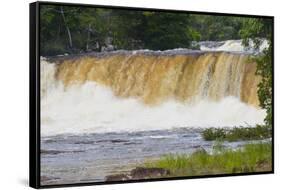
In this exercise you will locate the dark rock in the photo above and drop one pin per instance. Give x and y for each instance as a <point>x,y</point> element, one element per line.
<point>139,173</point>
<point>117,177</point>
<point>144,173</point>
<point>61,58</point>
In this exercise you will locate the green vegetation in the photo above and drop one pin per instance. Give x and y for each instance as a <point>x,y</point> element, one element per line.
<point>238,133</point>
<point>250,158</point>
<point>254,29</point>
<point>217,28</point>
<point>68,29</point>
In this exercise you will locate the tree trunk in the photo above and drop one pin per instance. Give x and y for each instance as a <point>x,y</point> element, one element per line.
<point>88,37</point>
<point>67,28</point>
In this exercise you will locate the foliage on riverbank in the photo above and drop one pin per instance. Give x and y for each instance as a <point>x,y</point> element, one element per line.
<point>250,158</point>
<point>252,29</point>
<point>238,133</point>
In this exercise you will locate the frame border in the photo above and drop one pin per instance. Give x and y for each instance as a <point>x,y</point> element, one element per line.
<point>35,98</point>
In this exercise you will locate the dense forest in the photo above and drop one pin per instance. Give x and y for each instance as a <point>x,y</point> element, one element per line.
<point>67,29</point>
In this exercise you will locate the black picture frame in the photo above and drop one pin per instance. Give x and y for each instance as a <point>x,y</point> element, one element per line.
<point>34,94</point>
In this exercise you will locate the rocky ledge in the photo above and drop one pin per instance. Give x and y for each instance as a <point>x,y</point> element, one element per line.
<point>139,173</point>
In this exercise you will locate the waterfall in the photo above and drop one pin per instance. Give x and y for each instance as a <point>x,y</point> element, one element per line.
<point>146,90</point>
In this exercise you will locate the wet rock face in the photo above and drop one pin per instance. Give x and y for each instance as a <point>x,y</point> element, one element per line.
<point>139,173</point>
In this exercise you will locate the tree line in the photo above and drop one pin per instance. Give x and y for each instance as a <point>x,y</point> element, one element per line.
<point>67,29</point>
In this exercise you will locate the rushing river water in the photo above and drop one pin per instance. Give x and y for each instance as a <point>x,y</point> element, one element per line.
<point>104,114</point>
<point>91,157</point>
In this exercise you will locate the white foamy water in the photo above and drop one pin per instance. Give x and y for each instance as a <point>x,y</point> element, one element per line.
<point>232,46</point>
<point>92,108</point>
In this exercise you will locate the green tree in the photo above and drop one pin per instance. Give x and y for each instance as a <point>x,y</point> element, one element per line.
<point>217,28</point>
<point>51,30</point>
<point>167,31</point>
<point>258,29</point>
<point>151,30</point>
<point>126,30</point>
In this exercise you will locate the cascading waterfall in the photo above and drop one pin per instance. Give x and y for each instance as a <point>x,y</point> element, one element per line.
<point>146,90</point>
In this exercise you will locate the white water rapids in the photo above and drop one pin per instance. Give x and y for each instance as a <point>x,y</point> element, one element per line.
<point>92,108</point>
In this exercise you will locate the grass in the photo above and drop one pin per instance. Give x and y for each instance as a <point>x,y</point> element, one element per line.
<point>237,133</point>
<point>250,158</point>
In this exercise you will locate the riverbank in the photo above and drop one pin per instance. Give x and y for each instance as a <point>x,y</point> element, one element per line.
<point>104,154</point>
<point>249,158</point>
